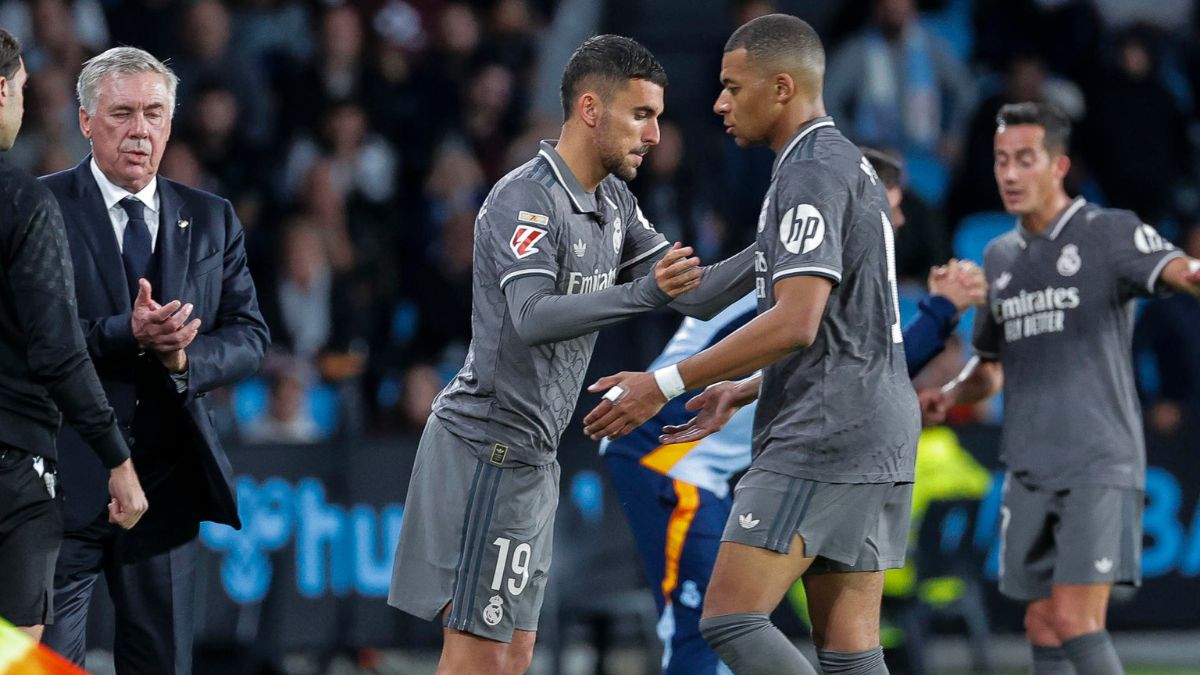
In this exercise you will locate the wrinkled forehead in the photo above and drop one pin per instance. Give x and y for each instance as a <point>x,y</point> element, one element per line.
<point>139,90</point>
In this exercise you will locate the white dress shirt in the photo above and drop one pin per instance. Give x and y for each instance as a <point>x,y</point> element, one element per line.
<point>113,194</point>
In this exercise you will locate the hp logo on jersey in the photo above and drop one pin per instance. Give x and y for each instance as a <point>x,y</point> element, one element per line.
<point>802,229</point>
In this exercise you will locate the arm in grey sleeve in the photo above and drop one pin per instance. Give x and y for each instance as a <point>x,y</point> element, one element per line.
<point>721,285</point>
<point>541,315</point>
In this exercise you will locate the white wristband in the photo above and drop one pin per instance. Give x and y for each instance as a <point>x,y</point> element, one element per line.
<point>670,383</point>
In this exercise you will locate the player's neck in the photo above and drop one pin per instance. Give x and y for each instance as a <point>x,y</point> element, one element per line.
<point>580,158</point>
<point>793,118</point>
<point>1039,221</point>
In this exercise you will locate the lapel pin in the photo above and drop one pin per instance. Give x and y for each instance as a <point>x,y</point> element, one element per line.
<point>184,223</point>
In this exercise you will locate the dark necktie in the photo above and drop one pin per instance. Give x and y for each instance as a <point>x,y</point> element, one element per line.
<point>135,245</point>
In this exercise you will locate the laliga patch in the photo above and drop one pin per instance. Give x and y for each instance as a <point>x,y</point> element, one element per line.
<point>1148,240</point>
<point>524,238</point>
<point>533,218</point>
<point>802,229</point>
<point>1069,261</point>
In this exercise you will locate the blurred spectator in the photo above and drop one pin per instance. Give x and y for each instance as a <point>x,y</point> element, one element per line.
<point>218,137</point>
<point>361,161</point>
<point>1064,33</point>
<point>56,31</point>
<point>86,21</point>
<point>287,419</point>
<point>1025,79</point>
<point>1135,138</point>
<point>896,85</point>
<point>180,164</point>
<point>1166,15</point>
<point>204,34</point>
<point>672,199</point>
<point>336,73</point>
<point>489,117</point>
<point>50,140</point>
<point>1166,334</point>
<point>264,30</point>
<point>140,23</point>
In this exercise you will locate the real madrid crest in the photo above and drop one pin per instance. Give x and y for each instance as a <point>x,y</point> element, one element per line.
<point>617,234</point>
<point>1069,261</point>
<point>493,613</point>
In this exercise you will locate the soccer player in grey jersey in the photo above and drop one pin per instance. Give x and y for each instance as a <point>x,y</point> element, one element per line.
<point>1057,339</point>
<point>828,493</point>
<point>561,250</point>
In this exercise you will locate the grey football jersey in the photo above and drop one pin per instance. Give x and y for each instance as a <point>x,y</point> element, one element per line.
<point>537,220</point>
<point>842,410</point>
<point>1061,322</point>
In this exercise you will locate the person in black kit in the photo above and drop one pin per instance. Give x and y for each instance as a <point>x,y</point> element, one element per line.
<point>44,368</point>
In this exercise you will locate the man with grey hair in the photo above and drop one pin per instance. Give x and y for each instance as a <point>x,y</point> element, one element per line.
<point>45,374</point>
<point>169,313</point>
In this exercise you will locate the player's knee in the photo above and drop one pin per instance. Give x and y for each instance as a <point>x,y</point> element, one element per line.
<point>1070,622</point>
<point>718,630</point>
<point>1039,624</point>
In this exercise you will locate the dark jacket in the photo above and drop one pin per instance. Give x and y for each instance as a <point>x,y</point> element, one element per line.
<point>200,258</point>
<point>44,365</point>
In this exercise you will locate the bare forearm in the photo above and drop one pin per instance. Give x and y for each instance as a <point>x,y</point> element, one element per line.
<point>1181,275</point>
<point>746,391</point>
<point>978,381</point>
<point>759,343</point>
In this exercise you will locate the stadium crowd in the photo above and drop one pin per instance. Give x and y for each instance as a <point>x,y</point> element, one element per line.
<point>357,140</point>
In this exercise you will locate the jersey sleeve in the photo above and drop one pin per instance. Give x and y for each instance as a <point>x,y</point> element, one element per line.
<point>516,233</point>
<point>812,203</point>
<point>986,338</point>
<point>1137,254</point>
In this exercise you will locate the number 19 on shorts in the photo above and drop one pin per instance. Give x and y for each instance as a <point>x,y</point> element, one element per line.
<point>520,565</point>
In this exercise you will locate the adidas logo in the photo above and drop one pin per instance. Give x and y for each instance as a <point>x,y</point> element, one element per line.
<point>748,521</point>
<point>1104,565</point>
<point>1002,281</point>
<point>579,248</point>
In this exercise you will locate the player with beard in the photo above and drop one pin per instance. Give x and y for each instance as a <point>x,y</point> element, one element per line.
<point>561,251</point>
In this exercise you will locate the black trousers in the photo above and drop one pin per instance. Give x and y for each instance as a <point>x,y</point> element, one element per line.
<point>154,598</point>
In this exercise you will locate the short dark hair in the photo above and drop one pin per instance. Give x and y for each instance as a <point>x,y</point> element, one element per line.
<point>784,42</point>
<point>888,166</point>
<point>612,60</point>
<point>1054,121</point>
<point>10,54</point>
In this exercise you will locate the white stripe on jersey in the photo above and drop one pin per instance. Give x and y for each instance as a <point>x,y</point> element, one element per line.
<point>521,273</point>
<point>643,256</point>
<point>808,269</point>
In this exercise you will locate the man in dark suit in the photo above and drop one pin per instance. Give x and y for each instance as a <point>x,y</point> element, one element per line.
<point>45,376</point>
<point>134,237</point>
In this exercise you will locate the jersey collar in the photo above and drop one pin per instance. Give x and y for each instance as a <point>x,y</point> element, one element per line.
<point>583,201</point>
<point>807,128</point>
<point>1059,225</point>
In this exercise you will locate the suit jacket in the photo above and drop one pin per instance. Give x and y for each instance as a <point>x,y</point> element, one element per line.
<point>201,259</point>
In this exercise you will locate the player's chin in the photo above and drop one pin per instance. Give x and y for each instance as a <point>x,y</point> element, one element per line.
<point>626,172</point>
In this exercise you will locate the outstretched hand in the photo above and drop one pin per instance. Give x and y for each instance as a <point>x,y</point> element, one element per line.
<point>715,406</point>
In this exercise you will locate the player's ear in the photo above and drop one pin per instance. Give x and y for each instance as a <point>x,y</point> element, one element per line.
<point>588,107</point>
<point>785,87</point>
<point>1062,165</point>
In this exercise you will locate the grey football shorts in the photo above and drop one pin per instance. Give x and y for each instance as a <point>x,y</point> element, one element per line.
<point>475,536</point>
<point>1084,535</point>
<point>847,527</point>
